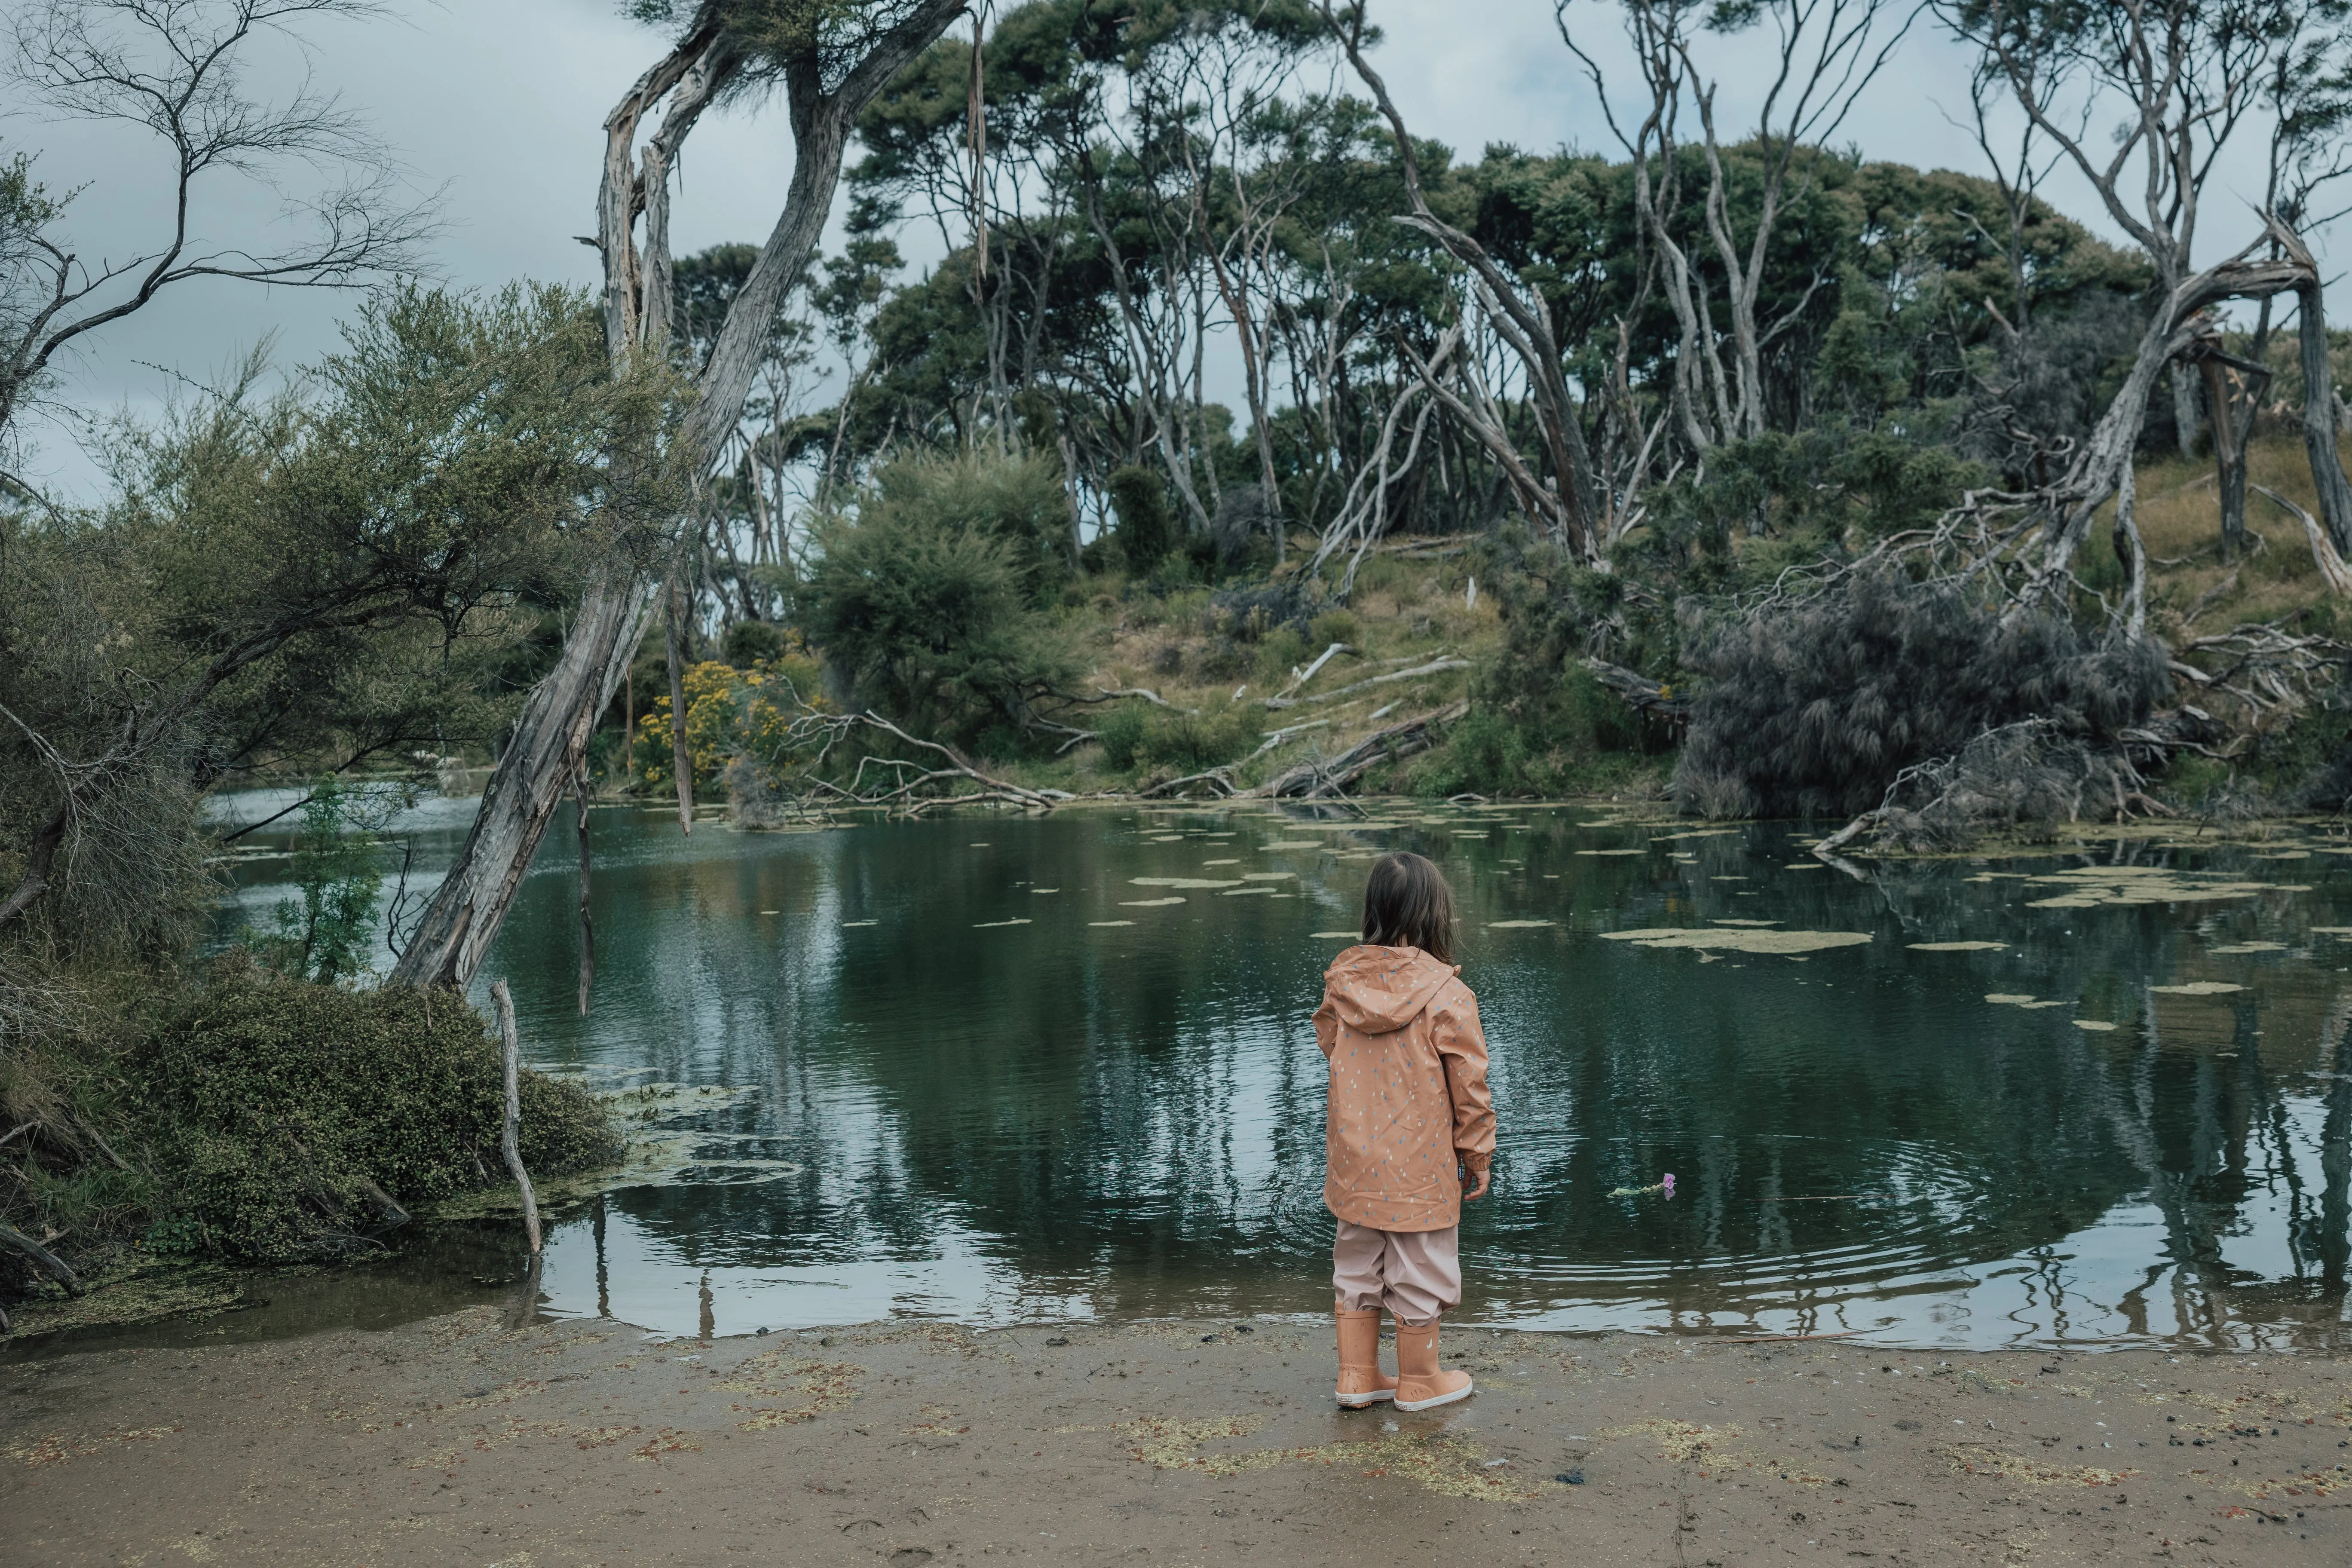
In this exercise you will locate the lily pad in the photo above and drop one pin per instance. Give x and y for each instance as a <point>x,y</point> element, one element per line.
<point>2198,988</point>
<point>1517,925</point>
<point>2096,1026</point>
<point>1044,890</point>
<point>2238,947</point>
<point>1957,946</point>
<point>1243,892</point>
<point>994,925</point>
<point>1269,875</point>
<point>1098,924</point>
<point>1333,935</point>
<point>1738,940</point>
<point>1183,882</point>
<point>1601,852</point>
<point>1148,903</point>
<point>1220,862</point>
<point>853,925</point>
<point>1293,843</point>
<point>1733,922</point>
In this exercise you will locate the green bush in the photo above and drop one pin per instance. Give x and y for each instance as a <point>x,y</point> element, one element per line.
<point>1147,529</point>
<point>1135,736</point>
<point>927,600</point>
<point>269,1105</point>
<point>757,642</point>
<point>1332,626</point>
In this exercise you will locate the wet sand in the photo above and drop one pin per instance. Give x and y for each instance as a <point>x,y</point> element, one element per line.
<point>460,1439</point>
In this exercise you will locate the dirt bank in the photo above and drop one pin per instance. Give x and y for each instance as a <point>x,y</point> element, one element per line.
<point>459,1439</point>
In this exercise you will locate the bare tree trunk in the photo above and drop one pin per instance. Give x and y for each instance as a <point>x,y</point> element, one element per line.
<point>551,735</point>
<point>2319,403</point>
<point>535,771</point>
<point>587,925</point>
<point>510,1133</point>
<point>682,761</point>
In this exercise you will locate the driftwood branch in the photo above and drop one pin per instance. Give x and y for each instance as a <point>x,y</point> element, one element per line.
<point>510,1133</point>
<point>1434,667</point>
<point>18,1241</point>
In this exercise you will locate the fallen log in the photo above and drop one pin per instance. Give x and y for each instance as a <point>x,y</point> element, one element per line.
<point>42,1259</point>
<point>1330,775</point>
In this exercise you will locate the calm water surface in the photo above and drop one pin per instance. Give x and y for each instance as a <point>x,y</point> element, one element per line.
<point>979,1072</point>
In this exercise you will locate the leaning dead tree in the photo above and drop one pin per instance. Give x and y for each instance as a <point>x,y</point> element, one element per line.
<point>832,61</point>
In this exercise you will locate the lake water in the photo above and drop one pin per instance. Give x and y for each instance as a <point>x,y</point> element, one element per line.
<point>1004,1069</point>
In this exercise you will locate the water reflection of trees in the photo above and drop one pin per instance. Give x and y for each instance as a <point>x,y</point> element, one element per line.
<point>1137,1113</point>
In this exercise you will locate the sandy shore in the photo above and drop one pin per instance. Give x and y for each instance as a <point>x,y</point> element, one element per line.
<point>462,1440</point>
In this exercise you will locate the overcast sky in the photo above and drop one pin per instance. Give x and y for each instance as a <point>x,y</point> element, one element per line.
<point>496,105</point>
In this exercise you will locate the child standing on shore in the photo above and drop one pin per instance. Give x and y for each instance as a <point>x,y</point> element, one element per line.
<point>1409,1134</point>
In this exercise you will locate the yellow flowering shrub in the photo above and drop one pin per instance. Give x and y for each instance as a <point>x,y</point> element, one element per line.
<point>732,714</point>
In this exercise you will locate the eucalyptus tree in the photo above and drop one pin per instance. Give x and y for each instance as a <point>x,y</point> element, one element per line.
<point>831,59</point>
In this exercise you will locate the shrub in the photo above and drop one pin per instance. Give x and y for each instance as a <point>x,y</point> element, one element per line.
<point>1133,735</point>
<point>271,1105</point>
<point>1333,626</point>
<point>1147,529</point>
<point>1814,709</point>
<point>927,600</point>
<point>756,642</point>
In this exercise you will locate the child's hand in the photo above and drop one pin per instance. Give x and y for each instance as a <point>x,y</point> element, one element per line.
<point>1469,1177</point>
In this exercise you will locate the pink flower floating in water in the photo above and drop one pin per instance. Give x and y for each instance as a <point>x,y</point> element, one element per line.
<point>1668,1185</point>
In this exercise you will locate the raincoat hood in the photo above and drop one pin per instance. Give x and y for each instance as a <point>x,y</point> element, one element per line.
<point>1380,990</point>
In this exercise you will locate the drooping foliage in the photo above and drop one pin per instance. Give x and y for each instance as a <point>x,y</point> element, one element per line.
<point>1812,709</point>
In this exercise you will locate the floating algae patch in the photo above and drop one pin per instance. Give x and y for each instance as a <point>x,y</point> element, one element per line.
<point>2090,887</point>
<point>1977,1459</point>
<point>1957,946</point>
<point>1444,1464</point>
<point>1187,882</point>
<point>1739,939</point>
<point>2198,988</point>
<point>656,1154</point>
<point>1517,925</point>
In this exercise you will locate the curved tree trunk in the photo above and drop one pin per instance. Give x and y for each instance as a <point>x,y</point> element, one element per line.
<point>550,736</point>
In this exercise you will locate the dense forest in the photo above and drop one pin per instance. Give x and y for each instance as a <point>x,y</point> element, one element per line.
<point>1720,464</point>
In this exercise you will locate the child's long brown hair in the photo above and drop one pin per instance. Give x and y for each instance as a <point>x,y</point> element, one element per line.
<point>1408,904</point>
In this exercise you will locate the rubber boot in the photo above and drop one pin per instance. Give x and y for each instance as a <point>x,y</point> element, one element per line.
<point>1420,1385</point>
<point>1361,1382</point>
